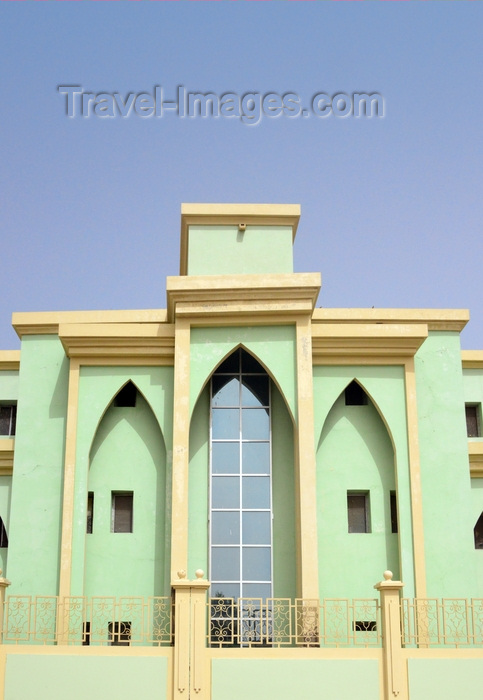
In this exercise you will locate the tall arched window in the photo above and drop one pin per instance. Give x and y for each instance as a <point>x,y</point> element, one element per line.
<point>240,479</point>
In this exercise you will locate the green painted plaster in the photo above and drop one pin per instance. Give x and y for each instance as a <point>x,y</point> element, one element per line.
<point>273,346</point>
<point>127,455</point>
<point>445,679</point>
<point>224,250</point>
<point>476,511</point>
<point>133,448</point>
<point>33,559</point>
<point>286,679</point>
<point>9,385</point>
<point>443,445</point>
<point>362,448</point>
<point>77,677</point>
<point>355,454</point>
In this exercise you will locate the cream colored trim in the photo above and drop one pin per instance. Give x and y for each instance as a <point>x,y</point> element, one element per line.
<point>234,214</point>
<point>181,427</point>
<point>7,446</point>
<point>436,319</point>
<point>297,653</point>
<point>115,341</point>
<point>306,482</point>
<point>242,294</point>
<point>335,340</point>
<point>472,359</point>
<point>9,359</point>
<point>69,481</point>
<point>415,480</point>
<point>47,322</point>
<point>475,454</point>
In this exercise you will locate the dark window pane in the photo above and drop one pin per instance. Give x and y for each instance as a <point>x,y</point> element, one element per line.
<point>231,364</point>
<point>357,511</point>
<point>122,512</point>
<point>472,421</point>
<point>255,390</point>
<point>250,364</point>
<point>8,419</point>
<point>126,397</point>
<point>479,533</point>
<point>3,534</point>
<point>119,634</point>
<point>90,512</point>
<point>225,457</point>
<point>355,395</point>
<point>393,501</point>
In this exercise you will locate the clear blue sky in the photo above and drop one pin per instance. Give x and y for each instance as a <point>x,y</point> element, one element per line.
<point>392,208</point>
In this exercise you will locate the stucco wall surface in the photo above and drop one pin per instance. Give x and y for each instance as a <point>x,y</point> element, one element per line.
<point>445,679</point>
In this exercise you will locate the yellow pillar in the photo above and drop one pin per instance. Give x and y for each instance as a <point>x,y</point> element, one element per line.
<point>191,672</point>
<point>308,566</point>
<point>395,671</point>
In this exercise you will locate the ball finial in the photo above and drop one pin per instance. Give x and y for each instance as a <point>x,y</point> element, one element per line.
<point>388,575</point>
<point>199,573</point>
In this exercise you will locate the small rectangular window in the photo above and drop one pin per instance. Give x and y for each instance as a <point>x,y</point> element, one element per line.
<point>122,511</point>
<point>119,634</point>
<point>3,534</point>
<point>473,419</point>
<point>393,503</point>
<point>8,420</point>
<point>90,512</point>
<point>358,512</point>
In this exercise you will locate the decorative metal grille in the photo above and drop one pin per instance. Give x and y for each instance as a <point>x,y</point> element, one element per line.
<point>79,620</point>
<point>433,622</point>
<point>284,622</point>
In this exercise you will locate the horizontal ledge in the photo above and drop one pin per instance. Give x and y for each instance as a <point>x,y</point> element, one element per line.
<point>9,359</point>
<point>472,359</point>
<point>435,319</point>
<point>48,322</point>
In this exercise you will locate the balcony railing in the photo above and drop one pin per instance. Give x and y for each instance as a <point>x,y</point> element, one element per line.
<point>280,622</point>
<point>434,622</point>
<point>88,621</point>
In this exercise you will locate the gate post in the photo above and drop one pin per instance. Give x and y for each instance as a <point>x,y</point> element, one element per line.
<point>191,670</point>
<point>395,671</point>
<point>3,587</point>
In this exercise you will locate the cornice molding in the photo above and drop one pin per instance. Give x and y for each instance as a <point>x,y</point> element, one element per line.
<point>331,342</point>
<point>472,359</point>
<point>48,322</point>
<point>234,214</point>
<point>7,446</point>
<point>475,454</point>
<point>246,296</point>
<point>435,319</point>
<point>119,343</point>
<point>9,360</point>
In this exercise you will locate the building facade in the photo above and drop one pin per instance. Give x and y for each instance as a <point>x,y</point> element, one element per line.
<point>197,501</point>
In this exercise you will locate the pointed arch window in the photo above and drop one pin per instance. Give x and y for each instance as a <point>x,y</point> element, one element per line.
<point>240,479</point>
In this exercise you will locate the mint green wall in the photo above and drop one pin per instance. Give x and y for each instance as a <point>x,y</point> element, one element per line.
<point>128,454</point>
<point>445,478</point>
<point>273,346</point>
<point>224,250</point>
<point>146,442</point>
<point>8,385</point>
<point>33,559</point>
<point>287,679</point>
<point>361,448</point>
<point>77,677</point>
<point>204,352</point>
<point>5,493</point>
<point>355,454</point>
<point>445,679</point>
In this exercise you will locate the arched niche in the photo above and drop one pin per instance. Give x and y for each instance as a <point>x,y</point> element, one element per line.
<point>125,551</point>
<point>356,495</point>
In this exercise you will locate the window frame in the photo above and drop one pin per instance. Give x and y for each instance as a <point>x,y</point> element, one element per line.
<point>12,419</point>
<point>351,496</point>
<point>476,407</point>
<point>114,527</point>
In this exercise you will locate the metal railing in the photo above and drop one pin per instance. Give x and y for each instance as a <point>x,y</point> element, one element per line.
<point>279,622</point>
<point>88,621</point>
<point>440,622</point>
